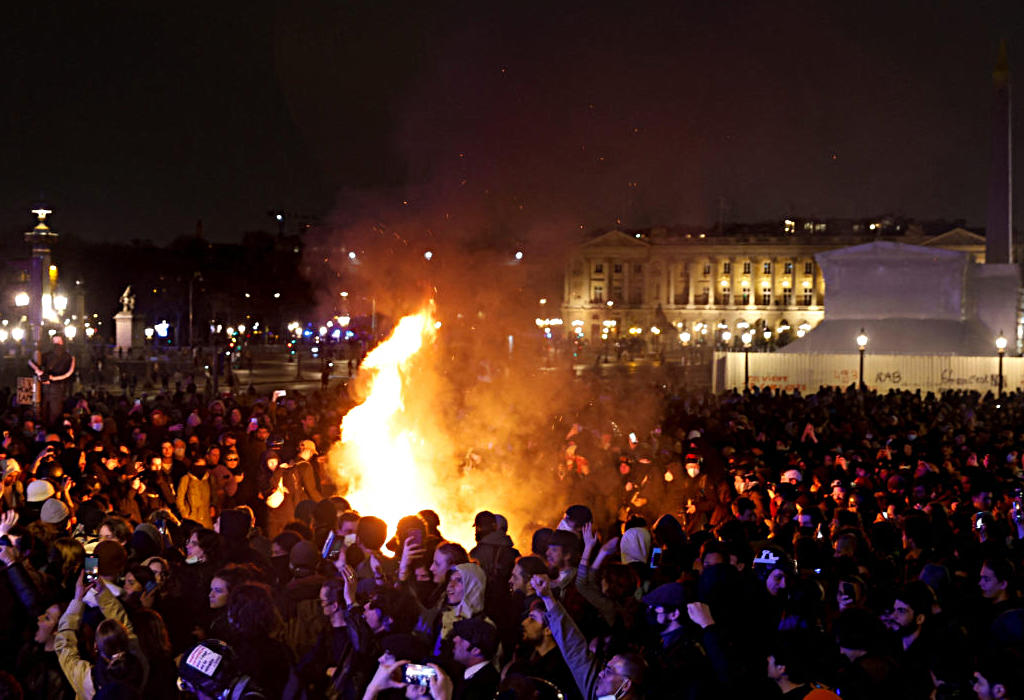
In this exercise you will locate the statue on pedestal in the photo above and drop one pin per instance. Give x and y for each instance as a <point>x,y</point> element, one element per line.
<point>127,300</point>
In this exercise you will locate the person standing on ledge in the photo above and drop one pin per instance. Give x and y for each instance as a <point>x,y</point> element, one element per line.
<point>54,373</point>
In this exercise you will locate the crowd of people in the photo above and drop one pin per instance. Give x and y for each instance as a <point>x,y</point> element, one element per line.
<point>758,544</point>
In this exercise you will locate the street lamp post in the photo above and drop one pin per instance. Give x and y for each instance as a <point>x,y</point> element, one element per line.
<point>1001,348</point>
<point>191,281</point>
<point>862,344</point>
<point>746,338</point>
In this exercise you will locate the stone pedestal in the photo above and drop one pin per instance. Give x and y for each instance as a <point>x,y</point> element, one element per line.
<point>128,331</point>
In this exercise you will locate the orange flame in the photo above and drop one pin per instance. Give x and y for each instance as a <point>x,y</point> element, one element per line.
<point>388,467</point>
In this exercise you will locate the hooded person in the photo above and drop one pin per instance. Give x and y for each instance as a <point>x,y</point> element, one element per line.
<point>299,602</point>
<point>773,571</point>
<point>13,488</point>
<point>635,546</point>
<point>146,542</point>
<point>195,494</point>
<point>467,588</point>
<point>234,526</point>
<point>494,549</point>
<point>277,502</point>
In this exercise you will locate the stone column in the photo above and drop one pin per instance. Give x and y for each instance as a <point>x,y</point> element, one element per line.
<point>672,281</point>
<point>732,280</point>
<point>691,272</point>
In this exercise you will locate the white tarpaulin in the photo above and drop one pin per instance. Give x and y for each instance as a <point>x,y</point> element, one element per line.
<point>808,372</point>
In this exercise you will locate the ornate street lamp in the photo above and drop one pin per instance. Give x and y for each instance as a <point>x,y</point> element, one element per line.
<point>862,344</point>
<point>1001,348</point>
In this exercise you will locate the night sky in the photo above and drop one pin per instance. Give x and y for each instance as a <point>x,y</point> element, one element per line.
<point>136,119</point>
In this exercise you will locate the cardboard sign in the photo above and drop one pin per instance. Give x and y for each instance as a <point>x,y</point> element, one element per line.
<point>26,391</point>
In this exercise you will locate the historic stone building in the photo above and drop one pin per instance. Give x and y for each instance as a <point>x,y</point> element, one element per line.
<point>667,287</point>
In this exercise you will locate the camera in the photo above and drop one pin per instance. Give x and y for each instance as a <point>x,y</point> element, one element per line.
<point>417,674</point>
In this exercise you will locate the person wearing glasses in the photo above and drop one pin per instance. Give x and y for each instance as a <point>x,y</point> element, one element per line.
<point>621,678</point>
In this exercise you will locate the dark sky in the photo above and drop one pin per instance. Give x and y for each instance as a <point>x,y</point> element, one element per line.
<point>136,119</point>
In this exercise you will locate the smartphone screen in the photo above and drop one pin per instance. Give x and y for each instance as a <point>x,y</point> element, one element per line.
<point>656,557</point>
<point>92,565</point>
<point>332,546</point>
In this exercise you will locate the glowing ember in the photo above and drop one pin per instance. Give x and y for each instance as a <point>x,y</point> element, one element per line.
<point>388,467</point>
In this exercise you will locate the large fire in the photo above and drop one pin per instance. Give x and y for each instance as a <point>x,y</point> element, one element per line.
<point>391,470</point>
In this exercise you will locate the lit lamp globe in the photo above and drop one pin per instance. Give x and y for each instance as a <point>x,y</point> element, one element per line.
<point>685,336</point>
<point>70,332</point>
<point>747,337</point>
<point>1001,344</point>
<point>726,336</point>
<point>862,340</point>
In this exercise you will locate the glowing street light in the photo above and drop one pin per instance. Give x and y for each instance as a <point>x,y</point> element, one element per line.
<point>21,299</point>
<point>519,255</point>
<point>862,344</point>
<point>726,336</point>
<point>18,333</point>
<point>60,302</point>
<point>3,335</point>
<point>746,338</point>
<point>149,333</point>
<point>1001,348</point>
<point>428,255</point>
<point>70,332</point>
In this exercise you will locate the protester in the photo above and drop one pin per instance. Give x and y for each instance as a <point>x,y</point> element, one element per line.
<point>869,544</point>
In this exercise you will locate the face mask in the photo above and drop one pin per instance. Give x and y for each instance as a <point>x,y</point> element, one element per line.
<point>564,525</point>
<point>614,696</point>
<point>98,427</point>
<point>191,560</point>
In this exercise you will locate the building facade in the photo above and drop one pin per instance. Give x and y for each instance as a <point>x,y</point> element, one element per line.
<point>668,288</point>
